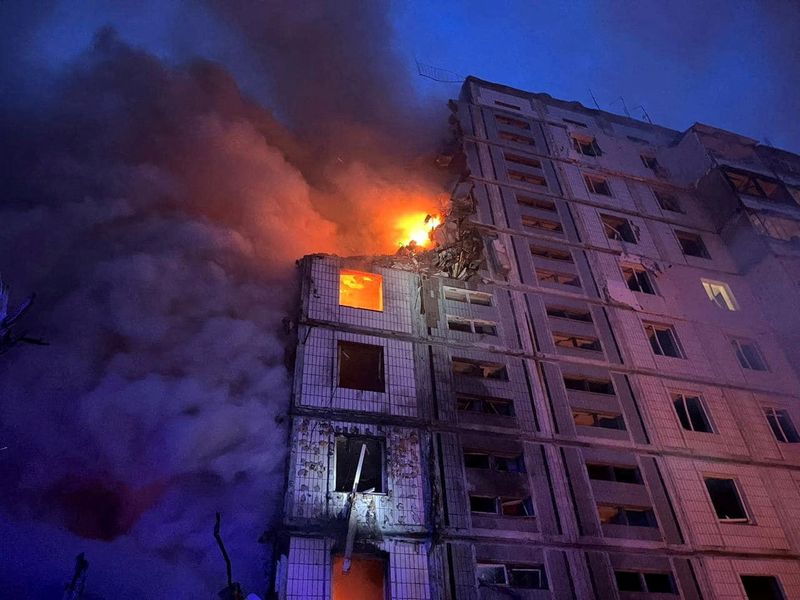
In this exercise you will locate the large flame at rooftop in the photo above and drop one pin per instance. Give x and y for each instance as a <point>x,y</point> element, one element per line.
<point>416,227</point>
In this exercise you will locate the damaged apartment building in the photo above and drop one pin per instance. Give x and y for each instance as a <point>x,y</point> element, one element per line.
<point>587,389</point>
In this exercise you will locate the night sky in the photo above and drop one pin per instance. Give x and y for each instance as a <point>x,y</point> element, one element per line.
<point>163,167</point>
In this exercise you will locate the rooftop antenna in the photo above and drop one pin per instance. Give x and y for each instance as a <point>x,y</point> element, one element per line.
<point>437,74</point>
<point>594,99</point>
<point>646,116</point>
<point>624,106</point>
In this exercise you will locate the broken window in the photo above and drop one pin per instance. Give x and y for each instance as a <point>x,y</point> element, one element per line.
<point>752,184</point>
<point>366,579</point>
<point>563,340</point>
<point>597,185</point>
<point>479,368</point>
<point>512,122</point>
<point>663,340</point>
<point>485,405</point>
<point>749,355</point>
<point>527,178</point>
<point>516,507</point>
<point>668,201</point>
<point>573,314</point>
<point>692,244</point>
<point>483,504</point>
<point>517,138</point>
<point>626,515</point>
<point>358,289</point>
<point>618,473</point>
<point>691,413</point>
<point>650,162</point>
<point>596,386</point>
<point>650,582</point>
<point>476,460</point>
<point>348,454</point>
<point>467,296</point>
<point>586,145</point>
<point>586,418</point>
<point>638,279</point>
<point>719,293</point>
<point>525,161</point>
<point>781,424</point>
<point>543,224</point>
<point>552,253</point>
<point>762,587</point>
<point>471,325</point>
<point>547,276</point>
<point>538,203</point>
<point>726,499</point>
<point>617,228</point>
<point>361,367</point>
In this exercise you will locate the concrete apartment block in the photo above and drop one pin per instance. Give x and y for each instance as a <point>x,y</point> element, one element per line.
<point>606,406</point>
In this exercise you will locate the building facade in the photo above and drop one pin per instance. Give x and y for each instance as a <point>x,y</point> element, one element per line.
<point>602,402</point>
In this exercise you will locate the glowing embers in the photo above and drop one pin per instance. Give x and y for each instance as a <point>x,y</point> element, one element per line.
<point>364,581</point>
<point>358,289</point>
<point>415,229</point>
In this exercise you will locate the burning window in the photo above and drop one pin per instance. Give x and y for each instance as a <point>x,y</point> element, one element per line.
<point>586,145</point>
<point>364,581</point>
<point>349,449</point>
<point>726,499</point>
<point>692,244</point>
<point>667,201</point>
<point>467,296</point>
<point>479,368</point>
<point>586,418</point>
<point>749,355</point>
<point>485,405</point>
<point>719,293</point>
<point>564,340</point>
<point>663,340</point>
<point>626,515</point>
<point>617,228</point>
<point>597,185</point>
<point>618,473</point>
<point>361,367</point>
<point>638,279</point>
<point>781,424</point>
<point>358,289</point>
<point>691,413</point>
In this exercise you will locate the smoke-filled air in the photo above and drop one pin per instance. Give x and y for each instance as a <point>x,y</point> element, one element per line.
<point>156,209</point>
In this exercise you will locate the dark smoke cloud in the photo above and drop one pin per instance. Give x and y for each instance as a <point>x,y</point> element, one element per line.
<point>157,212</point>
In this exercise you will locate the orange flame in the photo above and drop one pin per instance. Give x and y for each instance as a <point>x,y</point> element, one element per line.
<point>416,227</point>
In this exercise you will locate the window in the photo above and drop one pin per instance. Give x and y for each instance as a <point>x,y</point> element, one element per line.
<point>719,293</point>
<point>563,340</point>
<point>503,464</point>
<point>523,160</point>
<point>725,498</point>
<point>543,224</point>
<point>667,201</point>
<point>650,162</point>
<point>348,453</point>
<point>757,185</point>
<point>528,578</point>
<point>489,574</point>
<point>478,368</point>
<point>576,123</point>
<point>692,244</point>
<point>585,418</point>
<point>552,253</point>
<point>548,276</point>
<point>516,507</point>
<point>512,122</point>
<point>361,367</point>
<point>467,296</point>
<point>638,279</point>
<point>691,413</point>
<point>663,340</point>
<point>586,146</point>
<point>471,325</point>
<point>477,460</point>
<point>781,424</point>
<point>527,178</point>
<point>596,386</point>
<point>626,515</point>
<point>483,504</point>
<point>762,587</point>
<point>749,355</point>
<point>366,579</point>
<point>620,474</point>
<point>485,405</point>
<point>597,185</point>
<point>654,583</point>
<point>538,203</point>
<point>517,138</point>
<point>617,228</point>
<point>360,290</point>
<point>573,314</point>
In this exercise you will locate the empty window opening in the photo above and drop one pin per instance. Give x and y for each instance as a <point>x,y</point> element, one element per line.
<point>650,162</point>
<point>483,504</point>
<point>507,105</point>
<point>361,367</point>
<point>485,405</point>
<point>501,463</point>
<point>617,228</point>
<point>358,289</point>
<point>563,340</point>
<point>650,582</point>
<point>479,368</point>
<point>597,185</point>
<point>529,577</point>
<point>782,426</point>
<point>749,355</point>
<point>638,279</point>
<point>667,201</point>
<point>585,418</point>
<point>523,160</point>
<point>548,276</point>
<point>663,340</point>
<point>512,122</point>
<point>467,296</point>
<point>691,413</point>
<point>626,515</point>
<point>539,203</point>
<point>618,473</point>
<point>527,178</point>
<point>348,453</point>
<point>477,460</point>
<point>543,224</point>
<point>756,185</point>
<point>517,138</point>
<point>552,253</point>
<point>366,579</point>
<point>762,587</point>
<point>516,507</point>
<point>726,499</point>
<point>719,293</point>
<point>572,314</point>
<point>692,244</point>
<point>586,145</point>
<point>471,325</point>
<point>596,386</point>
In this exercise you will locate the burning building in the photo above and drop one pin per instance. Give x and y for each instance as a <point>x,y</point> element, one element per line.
<point>587,388</point>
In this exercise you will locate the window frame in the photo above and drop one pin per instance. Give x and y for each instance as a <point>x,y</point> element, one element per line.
<point>593,181</point>
<point>776,415</point>
<point>381,383</point>
<point>586,145</point>
<point>739,499</point>
<point>472,325</point>
<point>681,235</point>
<point>558,277</point>
<point>669,202</point>
<point>378,306</point>
<point>597,417</point>
<point>619,229</point>
<point>542,224</point>
<point>593,345</point>
<point>659,345</point>
<point>747,362</point>
<point>638,273</point>
<point>485,402</point>
<point>729,302</point>
<point>683,399</point>
<point>622,510</point>
<point>381,442</point>
<point>480,364</point>
<point>579,315</point>
<point>471,297</point>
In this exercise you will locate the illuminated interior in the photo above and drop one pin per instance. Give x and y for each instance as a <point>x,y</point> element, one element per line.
<point>416,228</point>
<point>364,581</point>
<point>360,290</point>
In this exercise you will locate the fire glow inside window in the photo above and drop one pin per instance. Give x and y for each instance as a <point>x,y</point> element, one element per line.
<point>358,289</point>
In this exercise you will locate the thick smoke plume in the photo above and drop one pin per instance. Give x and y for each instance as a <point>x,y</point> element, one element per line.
<point>157,212</point>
